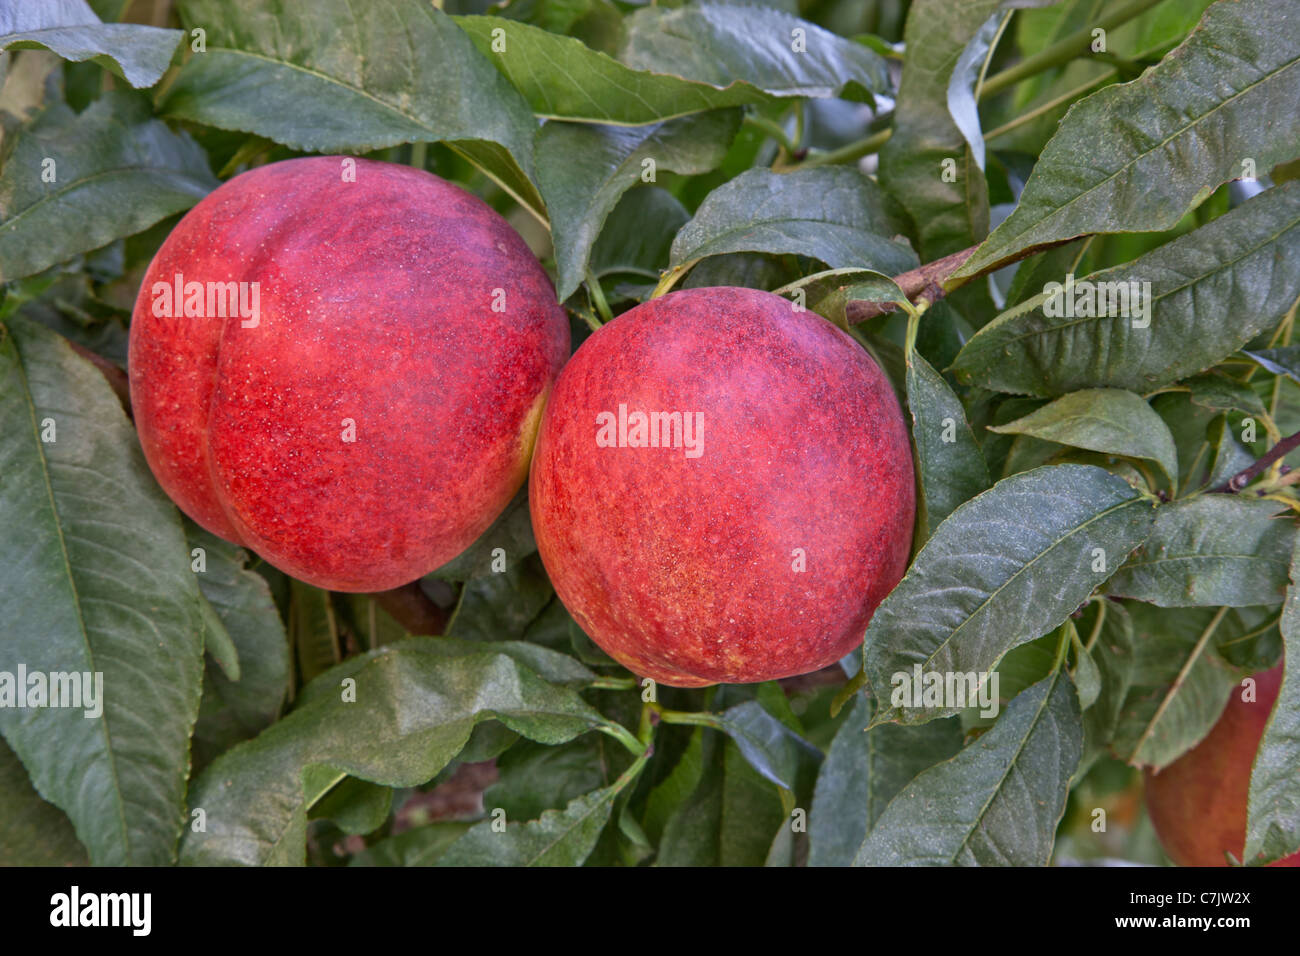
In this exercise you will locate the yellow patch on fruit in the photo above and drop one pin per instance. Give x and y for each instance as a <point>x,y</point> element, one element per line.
<point>528,430</point>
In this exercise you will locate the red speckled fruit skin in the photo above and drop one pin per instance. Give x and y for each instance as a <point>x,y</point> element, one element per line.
<point>376,306</point>
<point>683,568</point>
<point>1198,802</point>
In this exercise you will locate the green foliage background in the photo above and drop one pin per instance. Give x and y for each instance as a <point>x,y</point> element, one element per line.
<point>1076,532</point>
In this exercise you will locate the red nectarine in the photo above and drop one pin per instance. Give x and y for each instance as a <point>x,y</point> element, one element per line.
<point>723,488</point>
<point>341,364</point>
<point>1198,802</point>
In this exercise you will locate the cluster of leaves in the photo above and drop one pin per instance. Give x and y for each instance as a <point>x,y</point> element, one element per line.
<point>1079,530</point>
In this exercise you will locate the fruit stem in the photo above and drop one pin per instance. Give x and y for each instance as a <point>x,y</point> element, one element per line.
<point>649,712</point>
<point>1063,644</point>
<point>419,153</point>
<point>624,736</point>
<point>632,772</point>
<point>1096,627</point>
<point>853,151</point>
<point>670,278</point>
<point>913,326</point>
<point>598,298</point>
<point>693,720</point>
<point>613,683</point>
<point>772,129</point>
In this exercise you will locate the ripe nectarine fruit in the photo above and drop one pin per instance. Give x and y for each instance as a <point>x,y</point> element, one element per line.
<point>723,488</point>
<point>1198,802</point>
<point>341,364</point>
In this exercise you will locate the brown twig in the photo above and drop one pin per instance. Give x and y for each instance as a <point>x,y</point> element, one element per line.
<point>925,280</point>
<point>933,280</point>
<point>410,607</point>
<point>1244,477</point>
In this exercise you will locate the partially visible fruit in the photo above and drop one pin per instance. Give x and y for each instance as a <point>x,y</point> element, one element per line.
<point>1198,803</point>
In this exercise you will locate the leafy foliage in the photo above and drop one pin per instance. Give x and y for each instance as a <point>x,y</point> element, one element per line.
<point>1100,390</point>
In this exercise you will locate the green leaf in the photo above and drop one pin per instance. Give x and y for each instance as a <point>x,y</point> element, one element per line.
<point>217,643</point>
<point>551,666</point>
<point>322,77</point>
<point>511,532</point>
<point>1086,674</point>
<point>723,44</point>
<point>1020,668</point>
<point>500,166</point>
<point>1190,424</point>
<point>576,17</point>
<point>772,748</point>
<point>355,806</point>
<point>550,628</point>
<point>1211,292</point>
<point>1252,640</point>
<point>1273,810</point>
<point>949,213</point>
<point>498,607</point>
<point>1113,653</point>
<point>562,78</point>
<point>414,708</point>
<point>1209,551</point>
<point>997,803</point>
<point>782,851</point>
<point>638,234</point>
<point>94,579</point>
<point>952,468</point>
<point>1167,139</point>
<point>966,76</point>
<point>584,170</point>
<point>1280,361</point>
<point>664,802</point>
<point>1005,568</point>
<point>364,620</point>
<point>422,846</point>
<point>829,213</point>
<point>32,832</point>
<point>314,630</point>
<point>1050,265</point>
<point>556,838</point>
<point>1047,95</point>
<point>1180,683</point>
<point>828,293</point>
<point>692,833</point>
<point>863,771</point>
<point>746,270</point>
<point>730,815</point>
<point>238,708</point>
<point>69,28</point>
<point>117,171</point>
<point>1221,393</point>
<point>1229,456</point>
<point>534,778</point>
<point>1107,420</point>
